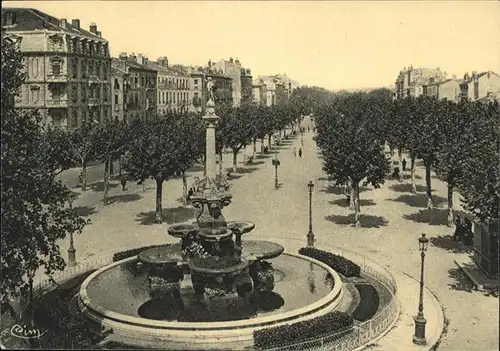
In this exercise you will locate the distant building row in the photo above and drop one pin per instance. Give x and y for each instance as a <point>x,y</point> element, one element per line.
<point>71,77</point>
<point>477,86</point>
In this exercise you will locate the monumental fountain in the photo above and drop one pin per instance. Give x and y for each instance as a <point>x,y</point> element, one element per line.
<point>212,287</point>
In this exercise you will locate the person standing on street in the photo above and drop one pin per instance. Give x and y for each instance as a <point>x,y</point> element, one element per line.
<point>404,164</point>
<point>123,181</point>
<point>294,153</point>
<point>300,152</point>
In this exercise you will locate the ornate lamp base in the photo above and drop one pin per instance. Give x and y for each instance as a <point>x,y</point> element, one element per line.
<point>419,337</point>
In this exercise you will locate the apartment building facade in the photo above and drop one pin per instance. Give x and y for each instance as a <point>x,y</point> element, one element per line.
<point>68,68</point>
<point>140,86</point>
<point>480,86</point>
<point>410,81</point>
<point>259,92</point>
<point>173,87</point>
<point>232,68</point>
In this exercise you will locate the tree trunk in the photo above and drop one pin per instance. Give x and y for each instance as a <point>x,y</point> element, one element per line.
<point>269,142</point>
<point>450,205</point>
<point>235,159</point>
<point>355,187</point>
<point>184,188</point>
<point>400,160</point>
<point>391,148</point>
<point>120,166</point>
<point>351,201</point>
<point>107,167</point>
<point>221,167</point>
<point>204,165</point>
<point>262,146</point>
<point>412,171</point>
<point>84,176</point>
<point>159,189</point>
<point>111,168</point>
<point>428,185</point>
<point>254,146</point>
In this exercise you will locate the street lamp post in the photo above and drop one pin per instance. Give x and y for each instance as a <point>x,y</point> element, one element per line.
<point>276,163</point>
<point>310,234</point>
<point>71,248</point>
<point>420,321</point>
<point>71,252</point>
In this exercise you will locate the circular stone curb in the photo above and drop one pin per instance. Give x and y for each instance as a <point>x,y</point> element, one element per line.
<point>206,332</point>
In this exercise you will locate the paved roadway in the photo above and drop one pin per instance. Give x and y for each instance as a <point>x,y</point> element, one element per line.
<point>393,219</point>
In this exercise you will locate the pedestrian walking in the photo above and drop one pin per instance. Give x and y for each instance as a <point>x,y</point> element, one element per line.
<point>123,181</point>
<point>300,152</point>
<point>294,152</point>
<point>457,236</point>
<point>404,164</point>
<point>468,235</point>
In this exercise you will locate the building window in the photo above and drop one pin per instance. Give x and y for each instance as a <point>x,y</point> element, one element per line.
<point>136,80</point>
<point>10,18</point>
<point>56,67</point>
<point>84,69</point>
<point>74,68</point>
<point>142,81</point>
<point>117,85</point>
<point>74,119</point>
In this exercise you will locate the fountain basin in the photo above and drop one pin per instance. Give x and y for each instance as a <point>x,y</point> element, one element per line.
<point>261,250</point>
<point>120,313</point>
<point>167,254</point>
<point>240,227</point>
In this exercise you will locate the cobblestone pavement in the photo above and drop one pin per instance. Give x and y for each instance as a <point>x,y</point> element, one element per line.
<point>392,220</point>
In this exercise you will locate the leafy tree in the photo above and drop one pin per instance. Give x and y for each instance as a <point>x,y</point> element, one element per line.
<point>350,150</point>
<point>237,129</point>
<point>190,141</point>
<point>454,124</point>
<point>84,141</point>
<point>35,211</point>
<point>479,184</point>
<point>153,153</point>
<point>111,140</point>
<point>424,133</point>
<point>61,152</point>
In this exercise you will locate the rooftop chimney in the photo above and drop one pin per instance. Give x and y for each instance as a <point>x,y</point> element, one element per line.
<point>123,56</point>
<point>231,60</point>
<point>163,61</point>
<point>99,33</point>
<point>140,59</point>
<point>93,28</point>
<point>63,22</point>
<point>75,23</point>
<point>209,63</point>
<point>237,61</point>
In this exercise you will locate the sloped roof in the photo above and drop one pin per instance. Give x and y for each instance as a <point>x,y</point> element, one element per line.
<point>167,70</point>
<point>51,22</point>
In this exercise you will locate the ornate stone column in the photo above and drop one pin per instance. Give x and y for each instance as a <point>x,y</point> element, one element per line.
<point>211,118</point>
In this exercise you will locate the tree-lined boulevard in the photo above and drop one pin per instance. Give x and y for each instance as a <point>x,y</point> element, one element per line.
<point>450,147</point>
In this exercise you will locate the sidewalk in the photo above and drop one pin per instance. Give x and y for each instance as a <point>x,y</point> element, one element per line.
<point>400,336</point>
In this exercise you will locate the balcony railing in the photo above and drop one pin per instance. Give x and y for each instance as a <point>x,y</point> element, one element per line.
<point>57,78</point>
<point>93,102</point>
<point>94,80</point>
<point>57,103</point>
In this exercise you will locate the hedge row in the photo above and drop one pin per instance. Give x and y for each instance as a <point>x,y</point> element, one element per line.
<point>132,252</point>
<point>338,263</point>
<point>329,323</point>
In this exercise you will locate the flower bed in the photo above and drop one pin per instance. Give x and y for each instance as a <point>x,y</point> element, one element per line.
<point>133,252</point>
<point>368,304</point>
<point>340,264</point>
<point>292,333</point>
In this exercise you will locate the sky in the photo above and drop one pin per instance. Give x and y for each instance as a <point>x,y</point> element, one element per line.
<point>335,45</point>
